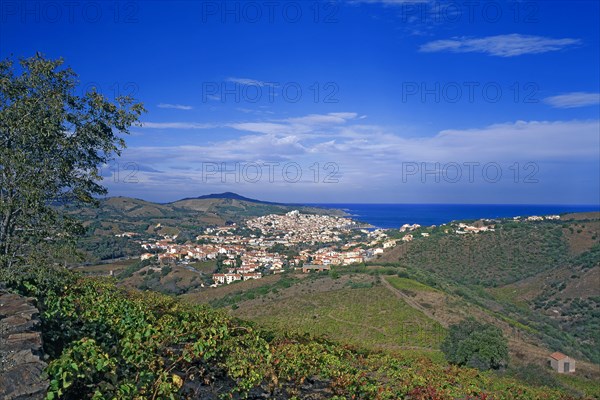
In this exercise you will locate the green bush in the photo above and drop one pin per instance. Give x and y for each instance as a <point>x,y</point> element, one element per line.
<point>475,344</point>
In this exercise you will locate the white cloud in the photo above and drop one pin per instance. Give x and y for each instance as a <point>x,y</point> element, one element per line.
<point>177,125</point>
<point>344,136</point>
<point>298,125</point>
<point>175,106</point>
<point>370,160</point>
<point>368,144</point>
<point>573,100</point>
<point>318,119</point>
<point>308,124</point>
<point>249,82</point>
<point>262,127</point>
<point>501,45</point>
<point>261,111</point>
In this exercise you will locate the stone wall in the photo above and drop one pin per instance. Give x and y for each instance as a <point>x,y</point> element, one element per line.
<point>21,356</point>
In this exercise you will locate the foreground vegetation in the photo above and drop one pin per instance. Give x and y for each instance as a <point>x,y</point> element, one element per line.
<point>105,342</point>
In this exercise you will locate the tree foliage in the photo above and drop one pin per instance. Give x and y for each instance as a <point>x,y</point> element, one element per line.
<point>52,143</point>
<point>475,344</point>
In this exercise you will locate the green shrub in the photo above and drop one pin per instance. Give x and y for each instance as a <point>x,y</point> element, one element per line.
<point>475,344</point>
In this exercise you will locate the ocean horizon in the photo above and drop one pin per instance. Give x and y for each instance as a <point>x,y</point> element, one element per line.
<point>396,215</point>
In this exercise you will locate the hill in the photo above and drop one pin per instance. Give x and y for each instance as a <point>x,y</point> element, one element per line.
<point>105,342</point>
<point>552,264</point>
<point>121,214</point>
<point>228,195</point>
<point>185,218</point>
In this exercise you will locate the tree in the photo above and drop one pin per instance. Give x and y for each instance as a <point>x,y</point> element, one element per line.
<point>220,266</point>
<point>476,345</point>
<point>52,144</point>
<point>183,237</point>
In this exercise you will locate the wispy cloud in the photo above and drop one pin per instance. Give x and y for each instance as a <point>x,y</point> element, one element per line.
<point>178,125</point>
<point>510,45</point>
<point>254,111</point>
<point>175,106</point>
<point>248,82</point>
<point>573,100</point>
<point>308,124</point>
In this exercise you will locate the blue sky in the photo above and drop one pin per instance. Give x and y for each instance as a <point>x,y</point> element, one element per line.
<point>373,101</point>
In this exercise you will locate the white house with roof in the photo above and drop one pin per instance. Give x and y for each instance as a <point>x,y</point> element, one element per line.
<point>226,278</point>
<point>562,363</point>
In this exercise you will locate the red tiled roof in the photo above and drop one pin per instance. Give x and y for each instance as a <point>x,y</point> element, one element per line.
<point>558,355</point>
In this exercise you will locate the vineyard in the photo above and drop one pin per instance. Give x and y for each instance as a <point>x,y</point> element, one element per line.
<point>105,342</point>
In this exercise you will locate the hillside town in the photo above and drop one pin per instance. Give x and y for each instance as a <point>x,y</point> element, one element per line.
<point>273,243</point>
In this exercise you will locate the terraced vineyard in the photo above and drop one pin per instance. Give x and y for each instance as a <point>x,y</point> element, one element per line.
<point>104,342</point>
<point>370,317</point>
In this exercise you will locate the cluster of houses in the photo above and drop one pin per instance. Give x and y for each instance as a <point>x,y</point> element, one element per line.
<point>464,228</point>
<point>231,277</point>
<point>295,227</point>
<point>538,218</point>
<point>230,254</point>
<point>243,257</point>
<point>127,234</point>
<point>407,228</point>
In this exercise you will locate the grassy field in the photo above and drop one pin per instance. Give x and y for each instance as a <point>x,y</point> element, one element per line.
<point>409,285</point>
<point>370,317</point>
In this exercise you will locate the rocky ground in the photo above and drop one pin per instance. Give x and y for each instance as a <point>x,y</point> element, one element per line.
<point>21,356</point>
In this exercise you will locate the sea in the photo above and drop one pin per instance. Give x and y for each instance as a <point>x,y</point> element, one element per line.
<point>396,215</point>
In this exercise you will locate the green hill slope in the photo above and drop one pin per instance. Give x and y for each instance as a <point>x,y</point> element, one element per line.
<point>104,342</point>
<point>543,275</point>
